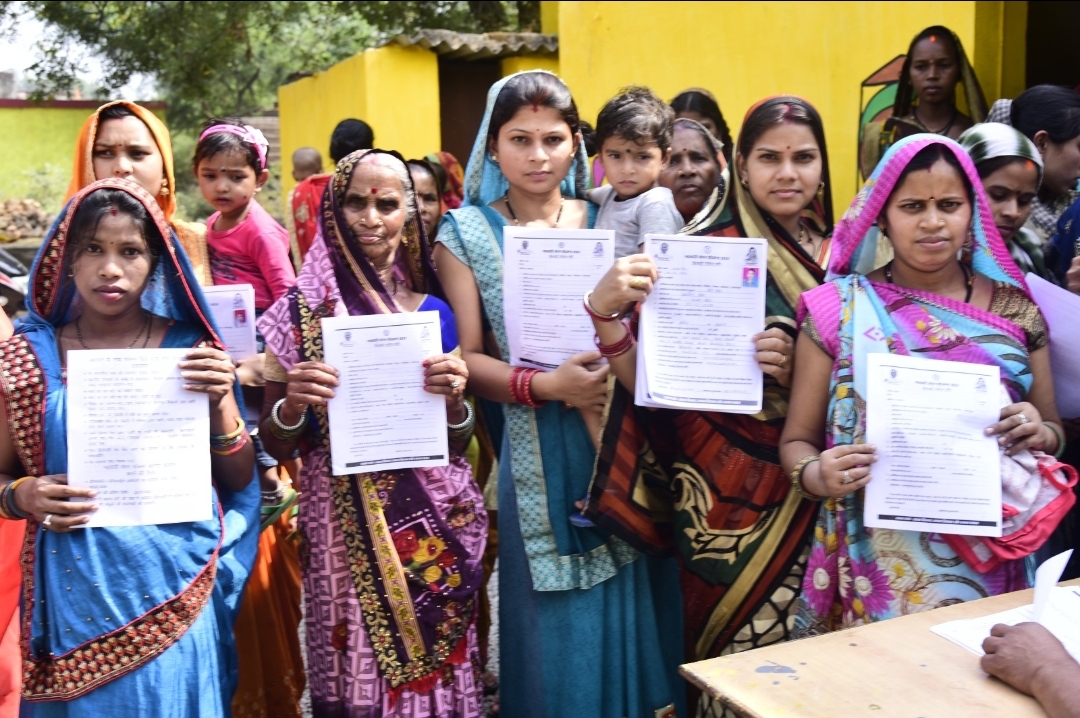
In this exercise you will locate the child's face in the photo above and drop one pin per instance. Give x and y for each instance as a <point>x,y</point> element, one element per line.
<point>630,167</point>
<point>228,182</point>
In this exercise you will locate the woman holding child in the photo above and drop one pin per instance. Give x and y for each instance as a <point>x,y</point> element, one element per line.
<point>741,532</point>
<point>589,626</point>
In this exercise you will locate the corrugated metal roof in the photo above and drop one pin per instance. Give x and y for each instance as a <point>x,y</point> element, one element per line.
<point>470,46</point>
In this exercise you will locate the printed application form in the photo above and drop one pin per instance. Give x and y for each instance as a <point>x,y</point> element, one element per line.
<point>937,470</point>
<point>546,272</point>
<point>138,438</point>
<point>233,307</point>
<point>380,417</point>
<point>695,350</point>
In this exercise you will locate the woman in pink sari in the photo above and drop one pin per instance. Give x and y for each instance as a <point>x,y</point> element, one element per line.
<point>390,559</point>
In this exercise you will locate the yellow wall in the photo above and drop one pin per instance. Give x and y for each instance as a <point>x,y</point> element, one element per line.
<point>394,89</point>
<point>745,51</point>
<point>510,65</point>
<point>39,151</point>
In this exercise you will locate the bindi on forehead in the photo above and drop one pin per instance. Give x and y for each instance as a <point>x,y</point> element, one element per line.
<point>374,190</point>
<point>932,38</point>
<point>113,211</point>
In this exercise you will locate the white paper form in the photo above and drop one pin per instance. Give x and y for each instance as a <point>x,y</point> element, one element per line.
<point>1059,613</point>
<point>1061,307</point>
<point>137,437</point>
<point>380,417</point>
<point>697,324</point>
<point>546,272</point>
<point>937,470</point>
<point>233,307</point>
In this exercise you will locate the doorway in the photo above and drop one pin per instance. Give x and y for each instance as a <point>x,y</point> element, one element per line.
<point>1053,52</point>
<point>463,88</point>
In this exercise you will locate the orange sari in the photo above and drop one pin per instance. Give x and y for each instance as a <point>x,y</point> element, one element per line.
<point>11,540</point>
<point>192,235</point>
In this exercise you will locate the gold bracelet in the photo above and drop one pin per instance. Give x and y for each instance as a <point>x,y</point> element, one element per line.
<point>796,477</point>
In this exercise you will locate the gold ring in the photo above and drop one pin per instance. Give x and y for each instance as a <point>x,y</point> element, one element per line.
<point>783,360</point>
<point>639,283</point>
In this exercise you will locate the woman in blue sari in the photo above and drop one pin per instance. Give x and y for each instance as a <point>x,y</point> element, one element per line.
<point>589,627</point>
<point>125,621</point>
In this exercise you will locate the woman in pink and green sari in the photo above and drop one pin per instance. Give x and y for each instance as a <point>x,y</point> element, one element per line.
<point>917,268</point>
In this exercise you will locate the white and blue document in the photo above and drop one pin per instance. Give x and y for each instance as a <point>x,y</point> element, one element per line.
<point>696,348</point>
<point>381,418</point>
<point>937,470</point>
<point>137,437</point>
<point>546,272</point>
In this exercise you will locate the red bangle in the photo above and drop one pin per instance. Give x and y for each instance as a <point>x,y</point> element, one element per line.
<point>595,314</point>
<point>521,387</point>
<point>620,347</point>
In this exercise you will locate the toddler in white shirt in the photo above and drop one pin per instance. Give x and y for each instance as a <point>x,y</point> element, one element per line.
<point>634,132</point>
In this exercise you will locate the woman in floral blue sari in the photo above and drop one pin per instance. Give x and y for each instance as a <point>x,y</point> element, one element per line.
<point>917,268</point>
<point>589,626</point>
<point>124,621</point>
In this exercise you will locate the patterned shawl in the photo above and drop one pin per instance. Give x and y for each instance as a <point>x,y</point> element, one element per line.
<point>454,192</point>
<point>990,140</point>
<point>417,611</point>
<point>709,485</point>
<point>192,235</point>
<point>180,566</point>
<point>856,576</point>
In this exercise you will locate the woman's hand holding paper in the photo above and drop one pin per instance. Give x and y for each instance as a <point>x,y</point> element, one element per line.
<point>208,371</point>
<point>448,375</point>
<point>842,470</point>
<point>48,496</point>
<point>309,382</point>
<point>775,354</point>
<point>1022,427</point>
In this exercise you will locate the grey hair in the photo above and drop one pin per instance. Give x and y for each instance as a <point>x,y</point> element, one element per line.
<point>687,123</point>
<point>399,169</point>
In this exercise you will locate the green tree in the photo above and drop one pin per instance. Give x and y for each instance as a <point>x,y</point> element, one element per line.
<point>220,57</point>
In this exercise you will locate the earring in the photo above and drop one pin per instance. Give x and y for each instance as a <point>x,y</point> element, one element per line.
<point>164,187</point>
<point>744,183</point>
<point>821,191</point>
<point>494,159</point>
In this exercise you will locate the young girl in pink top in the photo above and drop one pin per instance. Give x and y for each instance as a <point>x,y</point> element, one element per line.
<point>247,245</point>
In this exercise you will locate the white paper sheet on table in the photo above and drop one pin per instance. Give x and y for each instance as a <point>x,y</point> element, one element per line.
<point>546,272</point>
<point>937,470</point>
<point>380,417</point>
<point>1060,308</point>
<point>695,349</point>
<point>1059,614</point>
<point>137,437</point>
<point>233,307</point>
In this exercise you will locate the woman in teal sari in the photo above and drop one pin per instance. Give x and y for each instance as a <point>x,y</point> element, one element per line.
<point>589,626</point>
<point>123,621</point>
<point>918,269</point>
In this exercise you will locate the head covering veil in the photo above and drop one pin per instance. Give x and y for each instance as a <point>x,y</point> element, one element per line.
<point>84,154</point>
<point>990,140</point>
<point>857,241</point>
<point>484,180</point>
<point>361,289</point>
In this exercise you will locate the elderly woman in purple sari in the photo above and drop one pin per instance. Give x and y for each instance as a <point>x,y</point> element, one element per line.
<point>390,559</point>
<point>918,268</point>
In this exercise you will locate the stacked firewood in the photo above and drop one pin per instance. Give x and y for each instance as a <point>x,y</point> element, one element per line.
<point>22,219</point>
